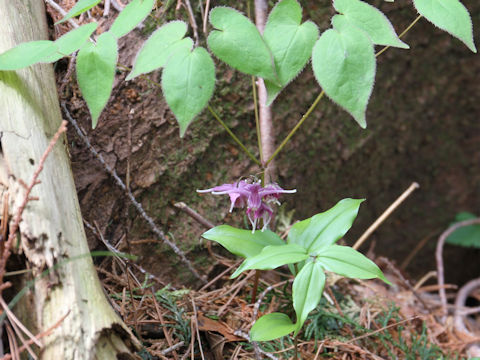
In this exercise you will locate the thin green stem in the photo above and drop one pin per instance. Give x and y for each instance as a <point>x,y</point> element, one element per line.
<point>402,34</point>
<point>294,130</point>
<point>236,139</point>
<point>257,120</point>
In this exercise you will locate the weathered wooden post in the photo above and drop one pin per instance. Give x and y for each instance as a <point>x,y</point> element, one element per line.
<point>51,229</point>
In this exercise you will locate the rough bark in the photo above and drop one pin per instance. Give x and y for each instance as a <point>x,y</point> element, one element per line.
<point>51,230</point>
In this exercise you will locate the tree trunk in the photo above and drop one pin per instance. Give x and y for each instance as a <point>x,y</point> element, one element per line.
<point>51,230</point>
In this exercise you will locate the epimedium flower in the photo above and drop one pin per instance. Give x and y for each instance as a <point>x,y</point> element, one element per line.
<point>252,195</point>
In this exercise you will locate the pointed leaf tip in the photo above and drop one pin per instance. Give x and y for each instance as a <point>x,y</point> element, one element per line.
<point>348,262</point>
<point>160,47</point>
<point>344,65</point>
<point>449,15</point>
<point>26,54</point>
<point>132,15</point>
<point>324,229</point>
<point>96,64</point>
<point>371,20</point>
<point>188,82</point>
<point>80,7</point>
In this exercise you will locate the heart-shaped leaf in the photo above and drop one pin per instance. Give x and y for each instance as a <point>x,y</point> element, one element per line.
<point>132,15</point>
<point>271,326</point>
<point>237,42</point>
<point>324,229</point>
<point>344,65</point>
<point>346,261</point>
<point>26,54</point>
<point>159,47</point>
<point>72,41</point>
<point>371,20</point>
<point>80,7</point>
<point>450,16</point>
<point>241,242</point>
<point>188,81</point>
<point>272,257</point>
<point>307,291</point>
<point>290,42</point>
<point>96,64</point>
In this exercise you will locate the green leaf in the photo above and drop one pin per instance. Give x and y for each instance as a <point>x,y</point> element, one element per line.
<point>72,41</point>
<point>132,15</point>
<point>343,62</point>
<point>371,20</point>
<point>159,47</point>
<point>26,54</point>
<point>237,42</point>
<point>290,42</point>
<point>241,242</point>
<point>188,82</point>
<point>450,16</point>
<point>272,257</point>
<point>324,229</point>
<point>96,65</point>
<point>467,236</point>
<point>271,326</point>
<point>80,7</point>
<point>307,291</point>
<point>348,262</point>
<point>293,238</point>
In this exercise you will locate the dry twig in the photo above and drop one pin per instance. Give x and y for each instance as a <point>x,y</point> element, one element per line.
<point>58,8</point>
<point>385,215</point>
<point>194,215</point>
<point>439,259</point>
<point>18,216</point>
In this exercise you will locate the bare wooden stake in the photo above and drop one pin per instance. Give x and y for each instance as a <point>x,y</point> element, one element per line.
<point>385,215</point>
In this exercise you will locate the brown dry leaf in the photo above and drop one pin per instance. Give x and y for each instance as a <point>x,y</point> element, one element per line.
<point>207,324</point>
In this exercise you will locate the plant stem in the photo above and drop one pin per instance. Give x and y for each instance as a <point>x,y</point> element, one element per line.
<point>294,130</point>
<point>266,128</point>
<point>255,105</point>
<point>295,344</point>
<point>257,121</point>
<point>255,286</point>
<point>402,34</point>
<point>237,140</point>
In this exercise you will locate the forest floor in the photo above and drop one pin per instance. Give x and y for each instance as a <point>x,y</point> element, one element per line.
<point>173,316</point>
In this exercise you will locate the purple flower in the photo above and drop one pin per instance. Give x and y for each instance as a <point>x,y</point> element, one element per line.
<point>252,195</point>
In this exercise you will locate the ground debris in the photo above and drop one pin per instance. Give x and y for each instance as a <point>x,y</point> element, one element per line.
<point>374,321</point>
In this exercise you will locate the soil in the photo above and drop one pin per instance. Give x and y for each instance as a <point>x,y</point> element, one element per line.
<point>422,126</point>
